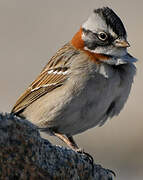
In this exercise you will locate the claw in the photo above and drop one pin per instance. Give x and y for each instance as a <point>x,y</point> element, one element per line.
<point>112,172</point>
<point>90,158</point>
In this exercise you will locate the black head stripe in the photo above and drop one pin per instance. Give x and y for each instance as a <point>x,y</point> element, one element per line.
<point>112,20</point>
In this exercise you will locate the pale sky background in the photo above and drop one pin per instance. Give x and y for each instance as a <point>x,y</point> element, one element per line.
<point>30,33</point>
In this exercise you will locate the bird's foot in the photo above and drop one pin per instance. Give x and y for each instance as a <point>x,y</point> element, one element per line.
<point>91,161</point>
<point>81,151</point>
<point>88,156</point>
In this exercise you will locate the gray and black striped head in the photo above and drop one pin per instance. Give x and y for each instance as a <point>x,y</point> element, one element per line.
<point>105,33</point>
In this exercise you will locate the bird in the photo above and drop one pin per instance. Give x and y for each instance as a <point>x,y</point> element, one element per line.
<point>85,83</point>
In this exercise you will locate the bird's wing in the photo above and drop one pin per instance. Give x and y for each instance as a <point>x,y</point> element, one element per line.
<point>54,74</point>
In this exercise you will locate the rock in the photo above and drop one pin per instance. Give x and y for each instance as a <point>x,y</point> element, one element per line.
<point>24,155</point>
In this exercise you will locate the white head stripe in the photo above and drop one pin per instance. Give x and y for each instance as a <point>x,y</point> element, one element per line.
<point>94,23</point>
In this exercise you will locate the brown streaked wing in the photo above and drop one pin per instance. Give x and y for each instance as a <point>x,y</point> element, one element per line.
<point>29,97</point>
<point>45,83</point>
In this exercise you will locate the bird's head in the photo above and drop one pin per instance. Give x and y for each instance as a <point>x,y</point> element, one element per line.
<point>104,37</point>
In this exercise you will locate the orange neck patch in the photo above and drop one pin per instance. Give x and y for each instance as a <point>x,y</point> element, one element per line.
<point>78,43</point>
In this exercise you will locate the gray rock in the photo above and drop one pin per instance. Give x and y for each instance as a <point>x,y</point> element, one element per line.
<point>24,155</point>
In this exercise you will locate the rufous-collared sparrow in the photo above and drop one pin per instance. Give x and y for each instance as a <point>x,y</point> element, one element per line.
<point>85,83</point>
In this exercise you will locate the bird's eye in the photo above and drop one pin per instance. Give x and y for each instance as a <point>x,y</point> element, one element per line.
<point>102,36</point>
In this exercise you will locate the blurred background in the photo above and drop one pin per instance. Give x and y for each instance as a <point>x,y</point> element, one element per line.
<point>30,33</point>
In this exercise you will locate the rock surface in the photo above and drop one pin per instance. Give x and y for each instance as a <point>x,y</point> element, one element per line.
<point>24,155</point>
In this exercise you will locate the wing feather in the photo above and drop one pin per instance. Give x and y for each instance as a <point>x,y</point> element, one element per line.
<point>53,75</point>
<point>38,90</point>
<point>42,85</point>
